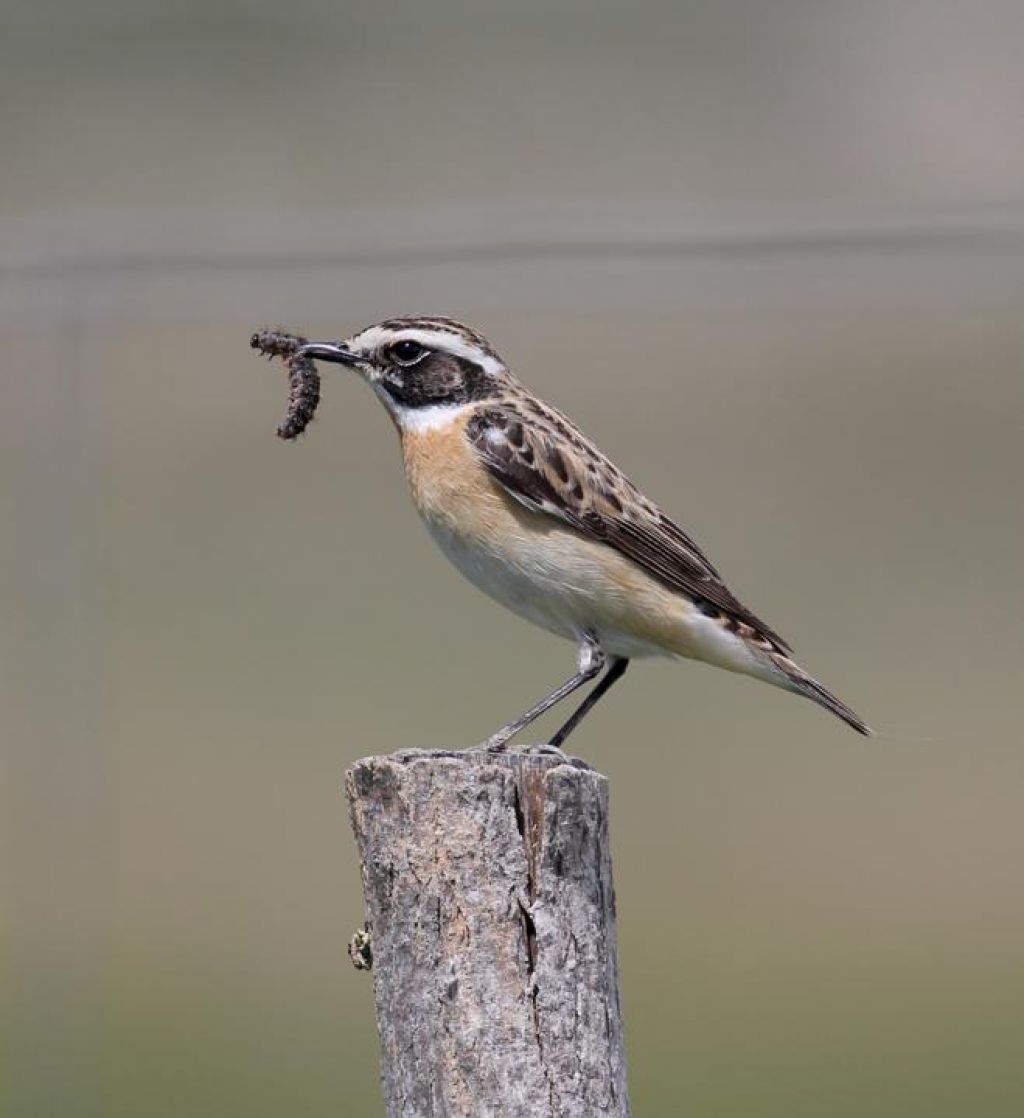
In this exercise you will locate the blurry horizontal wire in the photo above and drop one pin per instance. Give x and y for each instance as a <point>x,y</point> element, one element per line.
<point>981,237</point>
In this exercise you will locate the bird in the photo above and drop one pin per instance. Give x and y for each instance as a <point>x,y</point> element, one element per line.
<point>538,518</point>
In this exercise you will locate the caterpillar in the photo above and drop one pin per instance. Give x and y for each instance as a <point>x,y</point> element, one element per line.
<point>303,379</point>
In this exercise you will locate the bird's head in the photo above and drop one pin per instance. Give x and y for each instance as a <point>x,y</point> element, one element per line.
<point>423,369</point>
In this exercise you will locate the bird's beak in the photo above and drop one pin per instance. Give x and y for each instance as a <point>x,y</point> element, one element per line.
<point>330,351</point>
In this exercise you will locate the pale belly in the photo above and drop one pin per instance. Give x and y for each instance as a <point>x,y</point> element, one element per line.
<point>543,587</point>
<point>551,575</point>
<point>570,586</point>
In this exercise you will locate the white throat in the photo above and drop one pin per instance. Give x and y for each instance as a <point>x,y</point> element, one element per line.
<point>418,421</point>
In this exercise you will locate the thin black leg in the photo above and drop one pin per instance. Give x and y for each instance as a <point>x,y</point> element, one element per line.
<point>616,670</point>
<point>591,661</point>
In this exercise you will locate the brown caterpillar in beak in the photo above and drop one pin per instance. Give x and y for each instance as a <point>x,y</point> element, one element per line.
<point>303,379</point>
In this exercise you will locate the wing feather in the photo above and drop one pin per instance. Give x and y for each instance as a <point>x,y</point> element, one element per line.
<point>544,462</point>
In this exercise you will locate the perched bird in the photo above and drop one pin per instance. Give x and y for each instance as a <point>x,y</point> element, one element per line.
<point>537,517</point>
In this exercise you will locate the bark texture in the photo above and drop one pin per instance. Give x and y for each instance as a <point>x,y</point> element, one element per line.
<point>488,888</point>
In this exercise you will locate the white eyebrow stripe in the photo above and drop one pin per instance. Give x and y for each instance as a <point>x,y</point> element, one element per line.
<point>374,337</point>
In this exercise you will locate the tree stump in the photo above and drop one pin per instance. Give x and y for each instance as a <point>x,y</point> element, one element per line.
<point>487,882</point>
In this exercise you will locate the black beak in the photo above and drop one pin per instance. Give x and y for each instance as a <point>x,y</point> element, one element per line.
<point>330,351</point>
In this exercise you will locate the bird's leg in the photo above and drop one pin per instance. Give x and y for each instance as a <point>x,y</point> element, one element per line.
<point>616,670</point>
<point>591,661</point>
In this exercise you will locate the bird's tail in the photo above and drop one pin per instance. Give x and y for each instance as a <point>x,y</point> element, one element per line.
<point>799,681</point>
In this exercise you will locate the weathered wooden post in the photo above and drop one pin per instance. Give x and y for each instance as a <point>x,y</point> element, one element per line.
<point>487,881</point>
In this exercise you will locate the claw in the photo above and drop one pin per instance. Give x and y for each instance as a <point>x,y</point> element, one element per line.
<point>496,743</point>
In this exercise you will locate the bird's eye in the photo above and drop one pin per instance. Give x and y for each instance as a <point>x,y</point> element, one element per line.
<point>408,352</point>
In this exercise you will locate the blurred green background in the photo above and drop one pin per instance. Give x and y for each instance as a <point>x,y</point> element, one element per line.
<point>772,257</point>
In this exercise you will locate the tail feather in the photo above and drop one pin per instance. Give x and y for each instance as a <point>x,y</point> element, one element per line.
<point>800,682</point>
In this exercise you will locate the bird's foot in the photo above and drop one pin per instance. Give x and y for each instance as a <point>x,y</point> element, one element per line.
<point>496,743</point>
<point>499,743</point>
<point>543,750</point>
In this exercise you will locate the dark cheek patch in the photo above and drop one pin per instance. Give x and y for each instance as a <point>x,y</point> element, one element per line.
<point>440,378</point>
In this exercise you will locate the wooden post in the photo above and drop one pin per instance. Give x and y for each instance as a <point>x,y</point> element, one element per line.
<point>487,881</point>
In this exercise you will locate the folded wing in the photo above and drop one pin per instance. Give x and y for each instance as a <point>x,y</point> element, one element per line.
<point>545,463</point>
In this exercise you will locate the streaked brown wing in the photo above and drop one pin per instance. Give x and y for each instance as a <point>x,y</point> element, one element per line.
<point>546,464</point>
